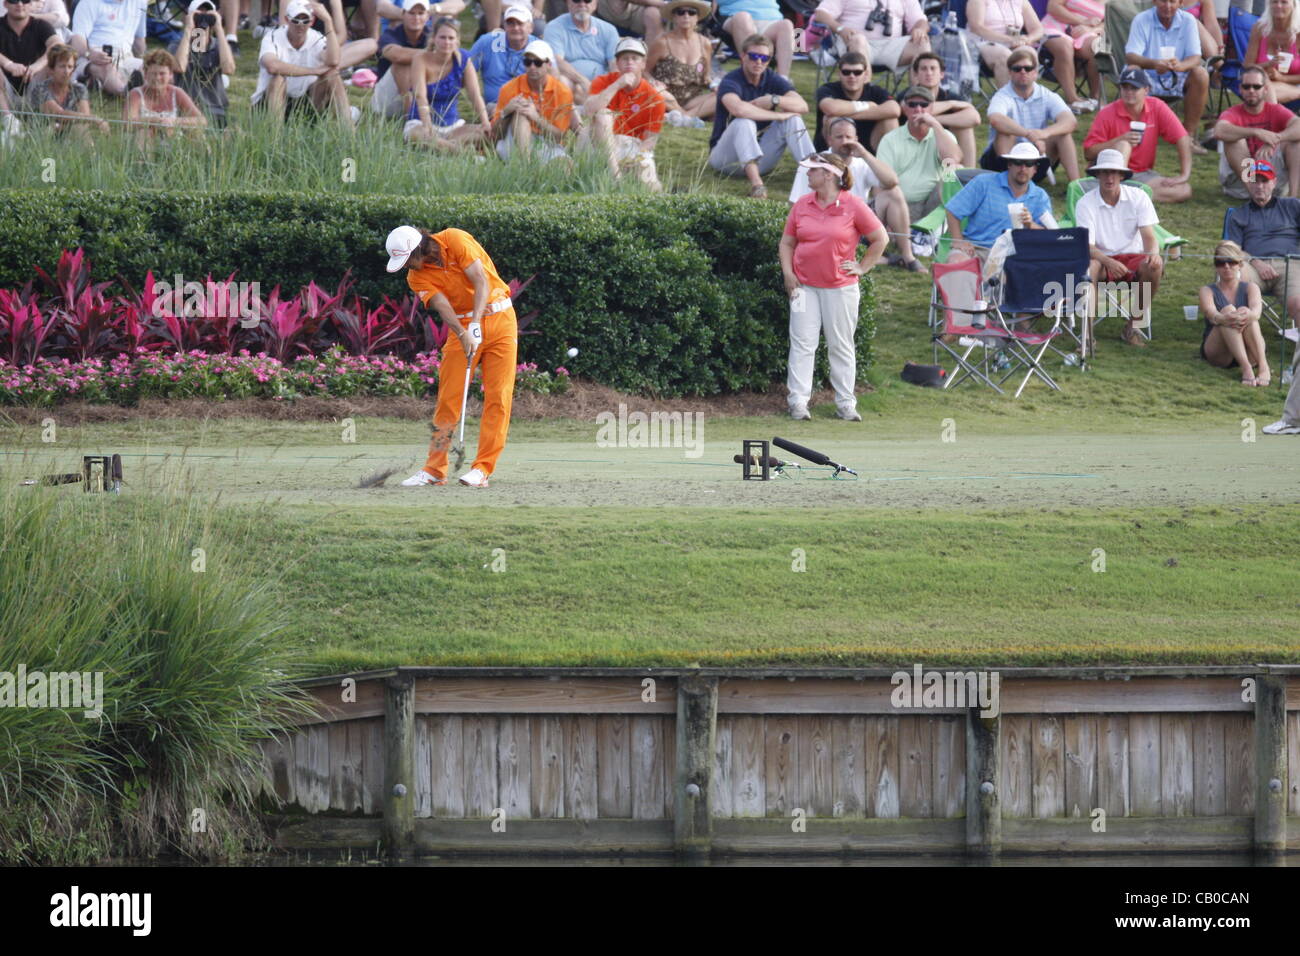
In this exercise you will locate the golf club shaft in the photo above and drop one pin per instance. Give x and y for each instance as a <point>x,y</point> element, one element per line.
<point>464,400</point>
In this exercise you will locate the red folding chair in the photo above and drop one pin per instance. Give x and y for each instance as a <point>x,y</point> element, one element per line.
<point>958,286</point>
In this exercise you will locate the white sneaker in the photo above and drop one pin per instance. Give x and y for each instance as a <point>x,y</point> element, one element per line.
<point>800,414</point>
<point>850,416</point>
<point>1281,427</point>
<point>474,479</point>
<point>676,118</point>
<point>422,477</point>
<point>356,115</point>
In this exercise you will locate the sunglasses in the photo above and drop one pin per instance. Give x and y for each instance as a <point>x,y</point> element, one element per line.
<point>759,57</point>
<point>530,61</point>
<point>1022,162</point>
<point>302,19</point>
<point>1252,86</point>
<point>1226,262</point>
<point>916,104</point>
<point>19,2</point>
<point>686,12</point>
<point>852,72</point>
<point>1025,68</point>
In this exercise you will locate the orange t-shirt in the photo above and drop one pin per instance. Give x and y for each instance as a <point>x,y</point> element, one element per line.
<point>555,104</point>
<point>459,251</point>
<point>637,112</point>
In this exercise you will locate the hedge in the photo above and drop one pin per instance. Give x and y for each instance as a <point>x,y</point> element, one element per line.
<point>672,295</point>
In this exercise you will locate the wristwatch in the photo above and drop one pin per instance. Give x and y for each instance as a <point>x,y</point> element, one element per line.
<point>776,101</point>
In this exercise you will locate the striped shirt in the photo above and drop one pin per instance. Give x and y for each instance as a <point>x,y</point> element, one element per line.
<point>1037,111</point>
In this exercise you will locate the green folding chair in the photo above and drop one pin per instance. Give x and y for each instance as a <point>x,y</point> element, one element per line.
<point>1078,187</point>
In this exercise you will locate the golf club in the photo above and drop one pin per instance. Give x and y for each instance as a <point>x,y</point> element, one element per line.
<point>458,450</point>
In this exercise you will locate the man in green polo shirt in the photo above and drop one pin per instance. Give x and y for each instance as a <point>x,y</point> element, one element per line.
<point>918,150</point>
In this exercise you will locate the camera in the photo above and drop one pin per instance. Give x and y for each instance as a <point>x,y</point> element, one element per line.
<point>881,16</point>
<point>205,20</point>
<point>108,49</point>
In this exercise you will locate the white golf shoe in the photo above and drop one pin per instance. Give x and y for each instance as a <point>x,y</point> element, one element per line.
<point>422,477</point>
<point>1281,427</point>
<point>474,479</point>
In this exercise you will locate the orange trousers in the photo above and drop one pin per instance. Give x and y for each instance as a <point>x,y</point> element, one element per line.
<point>496,358</point>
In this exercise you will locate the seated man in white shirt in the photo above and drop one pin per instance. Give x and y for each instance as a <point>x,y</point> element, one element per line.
<point>1122,241</point>
<point>300,67</point>
<point>109,35</point>
<point>873,182</point>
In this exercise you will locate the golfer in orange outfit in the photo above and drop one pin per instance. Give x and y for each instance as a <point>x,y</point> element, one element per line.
<point>454,277</point>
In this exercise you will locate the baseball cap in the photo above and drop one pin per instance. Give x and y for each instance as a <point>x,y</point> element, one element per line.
<point>401,242</point>
<point>415,3</point>
<point>540,49</point>
<point>297,8</point>
<point>517,12</point>
<point>1264,170</point>
<point>1134,76</point>
<point>918,93</point>
<point>630,45</point>
<point>196,5</point>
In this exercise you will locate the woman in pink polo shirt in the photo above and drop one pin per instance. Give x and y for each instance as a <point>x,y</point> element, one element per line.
<point>821,278</point>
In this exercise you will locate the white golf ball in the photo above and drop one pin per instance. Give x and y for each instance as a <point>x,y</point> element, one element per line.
<point>572,353</point>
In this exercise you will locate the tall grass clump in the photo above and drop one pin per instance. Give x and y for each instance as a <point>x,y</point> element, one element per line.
<point>154,594</point>
<point>298,156</point>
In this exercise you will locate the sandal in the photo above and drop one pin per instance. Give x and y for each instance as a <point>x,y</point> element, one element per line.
<point>1248,380</point>
<point>1265,380</point>
<point>758,192</point>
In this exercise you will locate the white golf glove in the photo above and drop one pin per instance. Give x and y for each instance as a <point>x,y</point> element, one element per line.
<point>472,339</point>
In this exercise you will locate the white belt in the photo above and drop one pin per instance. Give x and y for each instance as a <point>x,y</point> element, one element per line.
<point>500,305</point>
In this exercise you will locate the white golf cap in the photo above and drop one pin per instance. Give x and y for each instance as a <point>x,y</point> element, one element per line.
<point>630,45</point>
<point>1112,160</point>
<point>401,242</point>
<point>1025,152</point>
<point>517,12</point>
<point>413,4</point>
<point>196,5</point>
<point>296,8</point>
<point>540,49</point>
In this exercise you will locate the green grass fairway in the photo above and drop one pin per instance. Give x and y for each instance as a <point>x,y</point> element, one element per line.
<point>986,549</point>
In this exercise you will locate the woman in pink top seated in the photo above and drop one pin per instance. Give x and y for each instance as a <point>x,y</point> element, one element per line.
<point>1208,23</point>
<point>821,278</point>
<point>1002,25</point>
<point>1273,46</point>
<point>1072,27</point>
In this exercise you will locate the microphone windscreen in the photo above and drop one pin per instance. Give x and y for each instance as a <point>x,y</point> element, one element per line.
<point>816,457</point>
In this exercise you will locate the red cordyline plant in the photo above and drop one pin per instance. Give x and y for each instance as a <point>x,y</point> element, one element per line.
<point>23,327</point>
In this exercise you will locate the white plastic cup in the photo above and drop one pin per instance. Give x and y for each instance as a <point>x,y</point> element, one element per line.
<point>1137,126</point>
<point>1191,312</point>
<point>1015,210</point>
<point>1283,62</point>
<point>1167,52</point>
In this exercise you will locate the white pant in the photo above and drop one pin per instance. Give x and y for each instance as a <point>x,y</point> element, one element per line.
<point>385,99</point>
<point>835,312</point>
<point>741,144</point>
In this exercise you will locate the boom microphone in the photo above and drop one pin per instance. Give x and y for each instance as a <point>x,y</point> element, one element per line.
<point>816,457</point>
<point>756,461</point>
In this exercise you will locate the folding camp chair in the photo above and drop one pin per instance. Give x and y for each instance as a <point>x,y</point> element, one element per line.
<point>1167,240</point>
<point>935,221</point>
<point>957,287</point>
<point>1040,278</point>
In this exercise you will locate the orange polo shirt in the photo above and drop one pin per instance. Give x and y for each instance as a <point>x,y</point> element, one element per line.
<point>555,103</point>
<point>637,112</point>
<point>459,251</point>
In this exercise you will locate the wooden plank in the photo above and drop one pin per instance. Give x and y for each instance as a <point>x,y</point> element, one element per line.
<point>1176,765</point>
<point>1112,765</point>
<point>1208,798</point>
<point>1138,695</point>
<point>781,763</point>
<point>1017,767</point>
<point>447,766</point>
<point>283,773</point>
<point>1293,762</point>
<point>614,767</point>
<point>480,762</point>
<point>1080,742</point>
<point>423,768</point>
<point>329,706</point>
<point>514,767</point>
<point>891,836</point>
<point>1048,775</point>
<point>546,740</point>
<point>581,739</point>
<point>949,768</point>
<point>541,695</point>
<point>313,759</point>
<point>668,734</point>
<point>372,768</point>
<point>691,774</point>
<point>1239,764</point>
<point>845,696</point>
<point>647,751</point>
<point>915,773</point>
<point>816,765</point>
<point>1270,764</point>
<point>849,781</point>
<point>1148,835</point>
<point>723,777</point>
<point>748,767</point>
<point>399,764</point>
<point>881,766</point>
<point>1144,765</point>
<point>983,801</point>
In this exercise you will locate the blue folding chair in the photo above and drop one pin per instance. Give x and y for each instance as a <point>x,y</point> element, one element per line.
<point>1045,277</point>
